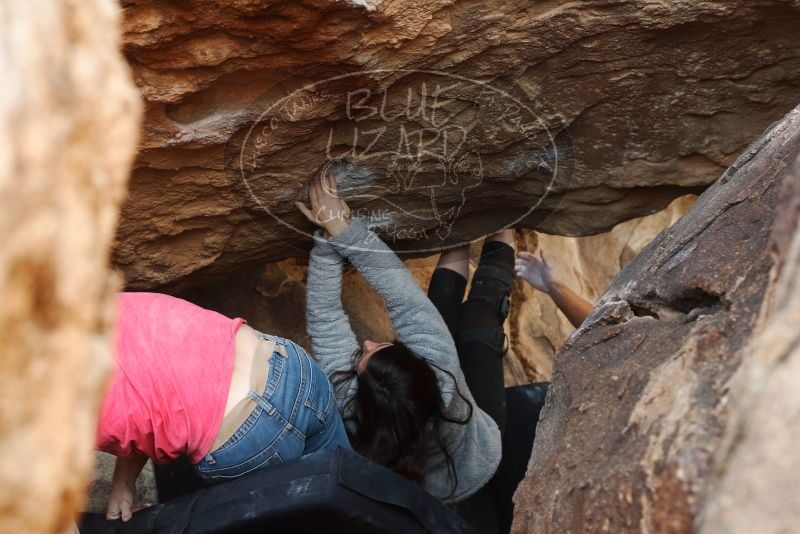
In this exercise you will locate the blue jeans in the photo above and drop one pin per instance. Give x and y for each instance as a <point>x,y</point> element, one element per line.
<point>296,415</point>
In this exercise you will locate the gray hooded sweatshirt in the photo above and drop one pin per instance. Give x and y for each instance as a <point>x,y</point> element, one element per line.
<point>474,447</point>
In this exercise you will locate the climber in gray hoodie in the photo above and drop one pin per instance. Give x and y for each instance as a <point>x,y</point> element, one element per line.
<point>405,403</point>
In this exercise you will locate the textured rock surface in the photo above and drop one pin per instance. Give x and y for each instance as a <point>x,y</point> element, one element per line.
<point>68,131</point>
<point>759,467</point>
<point>656,97</point>
<point>585,264</point>
<point>639,400</point>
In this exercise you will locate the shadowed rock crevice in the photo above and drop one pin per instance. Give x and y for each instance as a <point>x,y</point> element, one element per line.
<point>686,306</point>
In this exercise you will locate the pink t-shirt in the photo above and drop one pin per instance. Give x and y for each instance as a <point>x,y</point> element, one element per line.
<point>168,392</point>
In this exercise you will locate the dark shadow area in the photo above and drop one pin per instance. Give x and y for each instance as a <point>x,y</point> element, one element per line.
<point>333,490</point>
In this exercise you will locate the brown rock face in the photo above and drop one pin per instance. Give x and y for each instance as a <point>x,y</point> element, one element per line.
<point>68,131</point>
<point>640,394</point>
<point>587,265</point>
<point>758,468</point>
<point>453,118</point>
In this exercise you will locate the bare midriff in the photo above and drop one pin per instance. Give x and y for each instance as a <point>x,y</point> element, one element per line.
<point>250,371</point>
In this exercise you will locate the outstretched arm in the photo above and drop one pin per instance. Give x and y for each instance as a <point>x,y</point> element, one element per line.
<point>570,303</point>
<point>538,273</point>
<point>332,338</point>
<point>415,319</point>
<point>123,486</point>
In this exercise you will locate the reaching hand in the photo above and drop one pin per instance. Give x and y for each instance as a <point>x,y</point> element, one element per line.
<point>536,271</point>
<point>328,210</point>
<point>120,502</point>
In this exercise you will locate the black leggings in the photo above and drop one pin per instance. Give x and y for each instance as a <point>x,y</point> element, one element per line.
<point>515,410</point>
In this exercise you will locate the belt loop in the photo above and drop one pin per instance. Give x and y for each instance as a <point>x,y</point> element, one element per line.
<point>275,370</point>
<point>275,339</point>
<point>210,459</point>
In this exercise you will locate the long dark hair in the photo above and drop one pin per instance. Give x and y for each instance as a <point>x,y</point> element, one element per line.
<point>397,411</point>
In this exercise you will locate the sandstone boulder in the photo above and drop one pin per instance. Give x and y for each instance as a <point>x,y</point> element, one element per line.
<point>641,393</point>
<point>452,117</point>
<point>537,329</point>
<point>69,118</point>
<point>758,466</point>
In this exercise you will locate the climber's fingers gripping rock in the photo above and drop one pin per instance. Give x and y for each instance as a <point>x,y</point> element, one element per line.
<point>328,210</point>
<point>120,502</point>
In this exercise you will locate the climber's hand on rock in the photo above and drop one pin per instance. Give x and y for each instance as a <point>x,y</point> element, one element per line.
<point>120,501</point>
<point>535,270</point>
<point>328,210</point>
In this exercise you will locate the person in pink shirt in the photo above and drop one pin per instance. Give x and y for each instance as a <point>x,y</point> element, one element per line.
<point>192,382</point>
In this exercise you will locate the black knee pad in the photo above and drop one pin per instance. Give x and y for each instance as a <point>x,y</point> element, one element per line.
<point>494,339</point>
<point>494,277</point>
<point>499,254</point>
<point>486,308</point>
<point>491,286</point>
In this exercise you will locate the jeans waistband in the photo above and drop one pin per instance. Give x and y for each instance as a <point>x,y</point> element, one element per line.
<point>258,382</point>
<point>276,339</point>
